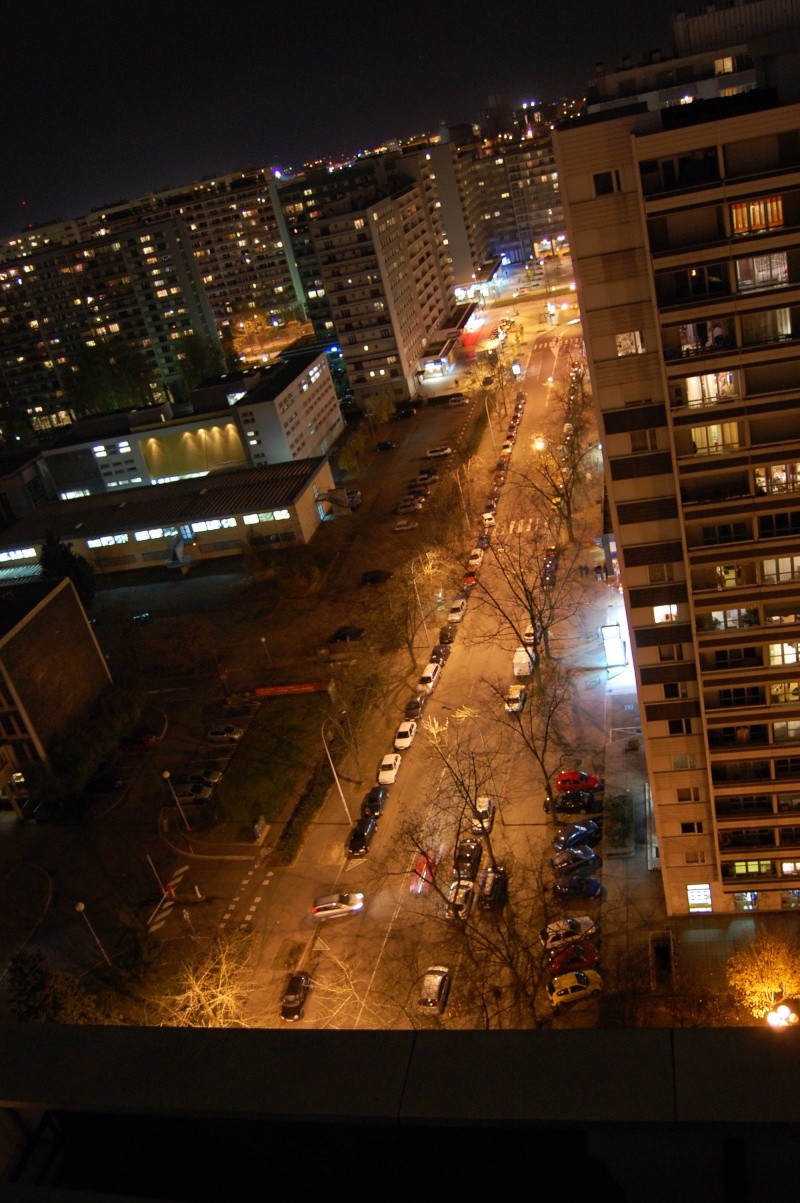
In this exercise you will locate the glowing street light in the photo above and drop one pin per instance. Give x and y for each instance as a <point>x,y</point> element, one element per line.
<point>782,1017</point>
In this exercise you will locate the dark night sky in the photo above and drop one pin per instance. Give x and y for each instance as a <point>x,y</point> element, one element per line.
<point>114,99</point>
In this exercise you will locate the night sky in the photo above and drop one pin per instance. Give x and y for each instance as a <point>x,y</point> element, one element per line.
<point>103,101</point>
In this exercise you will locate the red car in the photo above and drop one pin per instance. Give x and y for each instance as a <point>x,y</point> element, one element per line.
<point>424,872</point>
<point>574,956</point>
<point>470,580</point>
<point>576,779</point>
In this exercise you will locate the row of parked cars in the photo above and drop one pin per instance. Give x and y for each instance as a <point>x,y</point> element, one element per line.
<point>572,954</point>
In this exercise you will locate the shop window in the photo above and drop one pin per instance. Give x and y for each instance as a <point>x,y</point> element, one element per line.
<point>745,900</point>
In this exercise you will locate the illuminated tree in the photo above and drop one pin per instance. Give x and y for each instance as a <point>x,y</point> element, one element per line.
<point>765,971</point>
<point>215,986</point>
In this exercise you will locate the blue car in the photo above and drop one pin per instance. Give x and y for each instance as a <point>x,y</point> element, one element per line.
<point>587,832</point>
<point>577,887</point>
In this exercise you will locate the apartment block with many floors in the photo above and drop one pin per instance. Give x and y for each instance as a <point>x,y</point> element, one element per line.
<point>682,196</point>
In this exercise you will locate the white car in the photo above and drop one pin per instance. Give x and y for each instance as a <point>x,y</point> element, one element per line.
<point>332,906</point>
<point>516,698</point>
<point>390,765</point>
<point>189,791</point>
<point>489,521</point>
<point>475,558</point>
<point>562,932</point>
<point>439,452</point>
<point>508,447</point>
<point>405,735</point>
<point>226,734</point>
<point>405,524</point>
<point>456,611</point>
<point>482,816</point>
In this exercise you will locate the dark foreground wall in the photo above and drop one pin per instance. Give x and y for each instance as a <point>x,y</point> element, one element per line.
<point>188,1114</point>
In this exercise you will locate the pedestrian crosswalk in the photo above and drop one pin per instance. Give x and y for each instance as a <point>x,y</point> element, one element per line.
<point>168,899</point>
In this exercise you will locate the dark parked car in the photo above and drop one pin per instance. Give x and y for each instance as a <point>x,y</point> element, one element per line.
<point>576,886</point>
<point>346,634</point>
<point>587,832</point>
<point>415,705</point>
<point>376,576</point>
<point>361,836</point>
<point>578,802</point>
<point>575,860</point>
<point>448,633</point>
<point>441,653</point>
<point>483,540</point>
<point>374,802</point>
<point>493,888</point>
<point>385,445</point>
<point>467,858</point>
<point>294,996</point>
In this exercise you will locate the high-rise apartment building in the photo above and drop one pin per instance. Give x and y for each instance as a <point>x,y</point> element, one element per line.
<point>374,263</point>
<point>139,287</point>
<point>234,232</point>
<point>681,188</point>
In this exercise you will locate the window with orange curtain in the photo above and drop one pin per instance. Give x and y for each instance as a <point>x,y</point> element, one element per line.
<point>755,216</point>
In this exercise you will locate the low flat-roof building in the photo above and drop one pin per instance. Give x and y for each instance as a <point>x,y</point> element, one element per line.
<point>286,412</point>
<point>182,523</point>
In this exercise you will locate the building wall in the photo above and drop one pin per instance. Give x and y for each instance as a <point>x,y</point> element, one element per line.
<point>688,267</point>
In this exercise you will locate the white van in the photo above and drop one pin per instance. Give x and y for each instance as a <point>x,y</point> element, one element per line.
<point>430,677</point>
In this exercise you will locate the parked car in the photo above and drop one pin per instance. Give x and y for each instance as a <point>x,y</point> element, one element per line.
<point>582,859</point>
<point>483,540</point>
<point>415,705</point>
<point>576,886</point>
<point>224,734</point>
<point>435,990</point>
<point>457,610</point>
<point>405,735</point>
<point>475,558</point>
<point>376,576</point>
<point>571,987</point>
<point>347,635</point>
<point>492,888</point>
<point>405,524</point>
<point>470,580</point>
<point>429,677</point>
<point>334,906</point>
<point>441,653</point>
<point>410,504</point>
<point>566,931</point>
<point>588,833</point>
<point>448,633</point>
<point>427,476</point>
<point>467,859</point>
<point>460,898</point>
<point>489,521</point>
<point>190,791</point>
<point>573,956</point>
<point>425,869</point>
<point>374,802</point>
<point>423,492</point>
<point>361,836</point>
<point>439,452</point>
<point>515,699</point>
<point>569,780</point>
<point>205,774</point>
<point>580,802</point>
<point>482,819</point>
<point>385,445</point>
<point>294,996</point>
<point>389,768</point>
<point>508,447</point>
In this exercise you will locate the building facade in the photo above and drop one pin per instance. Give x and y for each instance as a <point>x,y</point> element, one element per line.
<point>286,412</point>
<point>684,223</point>
<point>139,288</point>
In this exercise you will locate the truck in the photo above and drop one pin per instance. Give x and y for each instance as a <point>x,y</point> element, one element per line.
<point>524,659</point>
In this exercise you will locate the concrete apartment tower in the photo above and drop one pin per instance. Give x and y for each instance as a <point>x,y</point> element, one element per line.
<point>681,188</point>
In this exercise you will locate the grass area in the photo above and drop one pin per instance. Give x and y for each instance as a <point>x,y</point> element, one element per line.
<point>270,769</point>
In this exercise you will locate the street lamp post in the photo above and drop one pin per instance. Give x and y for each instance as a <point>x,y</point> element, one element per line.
<point>81,909</point>
<point>175,798</point>
<point>263,642</point>
<point>333,769</point>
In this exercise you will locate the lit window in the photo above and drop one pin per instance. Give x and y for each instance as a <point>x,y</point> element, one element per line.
<point>665,613</point>
<point>698,898</point>
<point>630,343</point>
